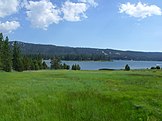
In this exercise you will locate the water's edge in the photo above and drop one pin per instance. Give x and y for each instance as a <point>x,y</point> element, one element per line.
<point>114,65</point>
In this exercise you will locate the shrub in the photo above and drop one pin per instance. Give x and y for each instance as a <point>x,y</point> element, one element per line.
<point>75,67</point>
<point>157,67</point>
<point>127,68</point>
<point>153,67</point>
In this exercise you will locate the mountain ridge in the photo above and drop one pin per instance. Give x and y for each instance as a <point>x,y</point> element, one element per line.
<point>54,50</point>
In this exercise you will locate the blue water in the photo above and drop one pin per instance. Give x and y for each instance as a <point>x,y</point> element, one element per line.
<point>116,64</point>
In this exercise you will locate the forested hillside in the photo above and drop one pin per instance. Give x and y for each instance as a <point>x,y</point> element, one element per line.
<point>71,53</point>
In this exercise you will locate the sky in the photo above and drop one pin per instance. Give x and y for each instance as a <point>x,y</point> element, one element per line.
<point>114,24</point>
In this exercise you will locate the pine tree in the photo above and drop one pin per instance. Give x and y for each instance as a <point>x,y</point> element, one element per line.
<point>65,66</point>
<point>26,63</point>
<point>44,65</point>
<point>127,68</point>
<point>55,63</point>
<point>32,65</point>
<point>36,66</point>
<point>6,56</point>
<point>39,61</point>
<point>75,67</point>
<point>17,59</point>
<point>1,43</point>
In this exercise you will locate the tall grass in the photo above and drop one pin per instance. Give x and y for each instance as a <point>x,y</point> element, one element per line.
<point>81,96</point>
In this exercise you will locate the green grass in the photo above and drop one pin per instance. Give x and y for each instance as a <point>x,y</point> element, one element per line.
<point>81,96</point>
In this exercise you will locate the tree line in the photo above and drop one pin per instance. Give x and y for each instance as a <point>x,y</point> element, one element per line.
<point>11,58</point>
<point>76,57</point>
<point>56,64</point>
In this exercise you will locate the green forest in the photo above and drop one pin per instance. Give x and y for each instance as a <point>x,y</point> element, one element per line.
<point>11,58</point>
<point>48,51</point>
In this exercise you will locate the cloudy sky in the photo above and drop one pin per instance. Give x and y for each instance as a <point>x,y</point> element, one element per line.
<point>115,24</point>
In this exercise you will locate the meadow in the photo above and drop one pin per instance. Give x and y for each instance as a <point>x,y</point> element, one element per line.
<point>63,95</point>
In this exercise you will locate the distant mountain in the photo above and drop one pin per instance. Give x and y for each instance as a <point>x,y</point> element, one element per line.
<point>53,50</point>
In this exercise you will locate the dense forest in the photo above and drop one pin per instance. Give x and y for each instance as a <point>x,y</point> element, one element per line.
<point>81,54</point>
<point>11,58</point>
<point>64,53</point>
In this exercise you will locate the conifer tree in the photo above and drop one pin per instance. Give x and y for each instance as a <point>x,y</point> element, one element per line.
<point>6,56</point>
<point>32,65</point>
<point>75,67</point>
<point>44,65</point>
<point>1,43</point>
<point>39,61</point>
<point>55,63</point>
<point>36,66</point>
<point>65,66</point>
<point>17,59</point>
<point>127,68</point>
<point>26,63</point>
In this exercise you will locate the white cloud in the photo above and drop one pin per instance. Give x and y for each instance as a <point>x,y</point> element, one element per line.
<point>140,10</point>
<point>8,27</point>
<point>74,11</point>
<point>90,2</point>
<point>23,3</point>
<point>42,13</point>
<point>8,7</point>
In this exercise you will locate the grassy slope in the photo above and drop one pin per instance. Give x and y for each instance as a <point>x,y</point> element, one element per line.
<point>81,96</point>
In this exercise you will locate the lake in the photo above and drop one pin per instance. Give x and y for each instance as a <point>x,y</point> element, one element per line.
<point>116,64</point>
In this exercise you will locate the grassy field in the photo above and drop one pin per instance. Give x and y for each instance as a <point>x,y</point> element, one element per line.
<point>81,96</point>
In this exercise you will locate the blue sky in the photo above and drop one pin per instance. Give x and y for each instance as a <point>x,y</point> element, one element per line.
<point>114,24</point>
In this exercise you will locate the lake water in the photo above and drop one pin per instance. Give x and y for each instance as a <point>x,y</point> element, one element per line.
<point>116,64</point>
